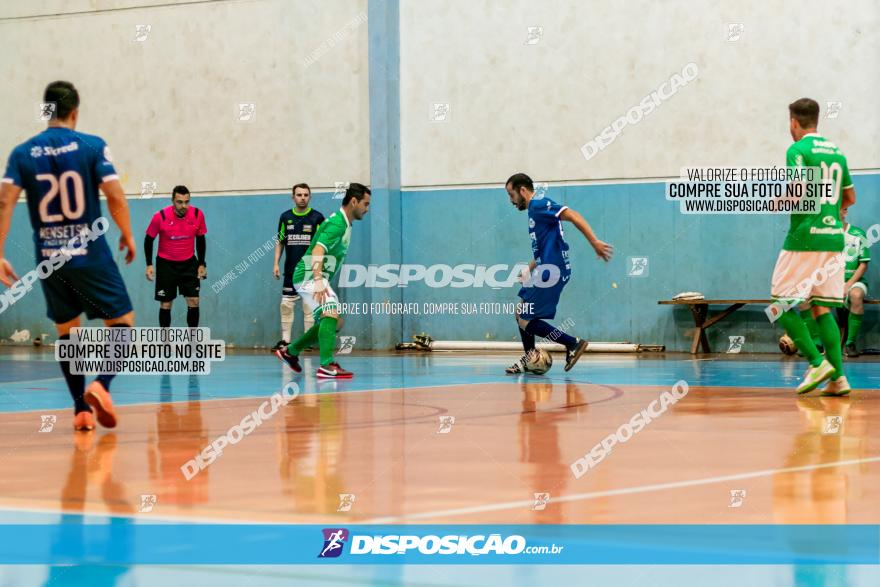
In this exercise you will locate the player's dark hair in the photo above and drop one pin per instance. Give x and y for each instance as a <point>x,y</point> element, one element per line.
<point>179,189</point>
<point>304,186</point>
<point>64,96</point>
<point>520,180</point>
<point>805,111</point>
<point>356,191</point>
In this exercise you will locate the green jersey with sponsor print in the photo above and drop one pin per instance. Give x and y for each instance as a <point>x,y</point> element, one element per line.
<point>856,250</point>
<point>333,235</point>
<point>822,231</point>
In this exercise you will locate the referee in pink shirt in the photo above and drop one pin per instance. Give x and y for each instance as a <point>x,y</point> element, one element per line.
<point>180,262</point>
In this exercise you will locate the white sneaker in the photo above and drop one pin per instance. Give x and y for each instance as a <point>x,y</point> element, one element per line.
<point>814,376</point>
<point>837,388</point>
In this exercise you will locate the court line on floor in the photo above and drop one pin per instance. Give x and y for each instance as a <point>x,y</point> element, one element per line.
<point>528,503</point>
<point>319,392</point>
<point>268,395</point>
<point>64,398</point>
<point>156,518</point>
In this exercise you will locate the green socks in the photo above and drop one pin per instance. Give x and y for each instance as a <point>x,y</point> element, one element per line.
<point>796,328</point>
<point>852,327</point>
<point>324,333</point>
<point>326,338</point>
<point>830,334</point>
<point>309,338</point>
<point>812,327</point>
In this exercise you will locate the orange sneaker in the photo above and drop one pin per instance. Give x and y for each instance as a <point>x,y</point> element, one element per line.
<point>83,422</point>
<point>99,398</point>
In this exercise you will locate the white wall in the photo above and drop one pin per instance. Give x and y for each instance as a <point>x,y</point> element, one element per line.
<point>521,107</point>
<point>168,106</point>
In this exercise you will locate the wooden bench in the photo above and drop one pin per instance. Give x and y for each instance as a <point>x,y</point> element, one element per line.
<point>700,312</point>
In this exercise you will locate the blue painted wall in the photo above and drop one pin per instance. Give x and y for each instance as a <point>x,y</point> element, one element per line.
<point>730,256</point>
<point>720,256</point>
<point>244,312</point>
<point>385,221</point>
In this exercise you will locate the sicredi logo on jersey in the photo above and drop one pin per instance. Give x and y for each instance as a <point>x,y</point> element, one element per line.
<point>52,151</point>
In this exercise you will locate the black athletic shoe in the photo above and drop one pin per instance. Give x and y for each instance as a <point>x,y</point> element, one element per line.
<point>281,344</point>
<point>574,353</point>
<point>291,360</point>
<point>851,350</point>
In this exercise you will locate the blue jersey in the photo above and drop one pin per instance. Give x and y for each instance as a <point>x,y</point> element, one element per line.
<point>60,171</point>
<point>545,231</point>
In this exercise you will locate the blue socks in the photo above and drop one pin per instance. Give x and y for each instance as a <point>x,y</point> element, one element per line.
<point>76,384</point>
<point>551,333</point>
<point>528,340</point>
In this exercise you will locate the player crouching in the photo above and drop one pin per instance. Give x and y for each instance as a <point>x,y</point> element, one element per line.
<point>858,254</point>
<point>311,280</point>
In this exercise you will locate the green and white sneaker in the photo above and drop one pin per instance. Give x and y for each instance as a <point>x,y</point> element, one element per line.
<point>837,388</point>
<point>814,376</point>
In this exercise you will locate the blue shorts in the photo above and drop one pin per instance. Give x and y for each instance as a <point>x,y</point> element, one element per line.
<point>543,300</point>
<point>97,291</point>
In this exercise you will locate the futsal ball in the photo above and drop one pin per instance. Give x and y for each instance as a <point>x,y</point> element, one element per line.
<point>539,362</point>
<point>786,345</point>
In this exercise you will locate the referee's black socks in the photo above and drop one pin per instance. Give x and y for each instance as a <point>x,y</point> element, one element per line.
<point>192,317</point>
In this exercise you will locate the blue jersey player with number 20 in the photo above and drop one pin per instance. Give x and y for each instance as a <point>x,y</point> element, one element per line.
<point>549,271</point>
<point>61,171</point>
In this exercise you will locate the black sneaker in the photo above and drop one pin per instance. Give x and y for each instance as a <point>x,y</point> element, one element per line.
<point>574,353</point>
<point>281,344</point>
<point>291,360</point>
<point>850,350</point>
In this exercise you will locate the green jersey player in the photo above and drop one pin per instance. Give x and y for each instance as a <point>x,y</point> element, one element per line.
<point>311,279</point>
<point>808,267</point>
<point>858,255</point>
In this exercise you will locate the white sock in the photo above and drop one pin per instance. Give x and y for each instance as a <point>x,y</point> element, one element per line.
<point>286,317</point>
<point>308,317</point>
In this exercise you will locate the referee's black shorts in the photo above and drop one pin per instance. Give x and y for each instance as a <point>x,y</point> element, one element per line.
<point>174,276</point>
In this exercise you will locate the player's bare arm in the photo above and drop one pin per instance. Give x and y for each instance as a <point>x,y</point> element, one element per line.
<point>527,271</point>
<point>8,196</point>
<point>603,249</point>
<point>118,207</point>
<point>849,197</point>
<point>318,273</point>
<point>276,271</point>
